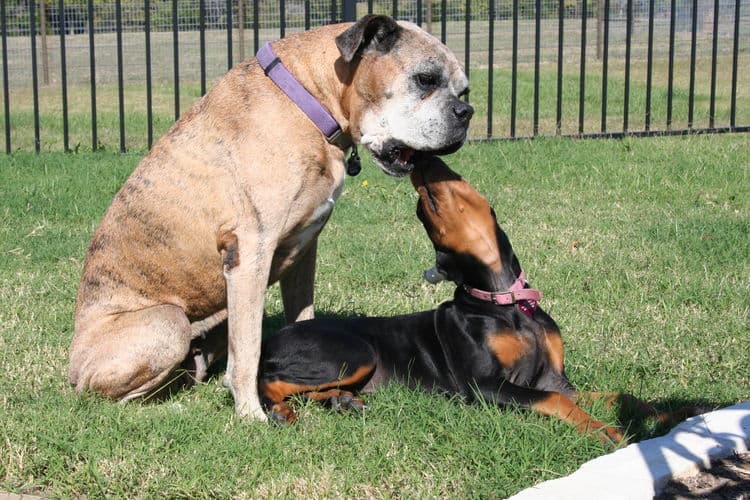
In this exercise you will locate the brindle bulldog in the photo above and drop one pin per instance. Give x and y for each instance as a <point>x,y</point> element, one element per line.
<point>234,196</point>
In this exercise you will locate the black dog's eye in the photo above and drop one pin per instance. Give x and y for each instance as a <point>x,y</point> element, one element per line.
<point>427,81</point>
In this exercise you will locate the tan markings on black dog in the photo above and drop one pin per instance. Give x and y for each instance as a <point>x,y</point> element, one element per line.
<point>279,390</point>
<point>565,409</point>
<point>460,218</point>
<point>555,352</point>
<point>509,347</point>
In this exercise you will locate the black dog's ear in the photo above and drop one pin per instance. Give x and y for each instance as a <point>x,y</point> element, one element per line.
<point>375,32</point>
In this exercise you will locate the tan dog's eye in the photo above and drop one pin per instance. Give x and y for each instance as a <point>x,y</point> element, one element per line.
<point>427,81</point>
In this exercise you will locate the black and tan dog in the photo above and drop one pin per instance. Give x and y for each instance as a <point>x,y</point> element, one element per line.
<point>491,341</point>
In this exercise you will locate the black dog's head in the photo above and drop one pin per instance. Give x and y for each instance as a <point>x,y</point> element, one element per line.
<point>469,245</point>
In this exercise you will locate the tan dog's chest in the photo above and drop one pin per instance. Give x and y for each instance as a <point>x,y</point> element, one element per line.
<point>305,231</point>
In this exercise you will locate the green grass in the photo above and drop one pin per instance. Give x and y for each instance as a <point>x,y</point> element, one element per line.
<point>641,249</point>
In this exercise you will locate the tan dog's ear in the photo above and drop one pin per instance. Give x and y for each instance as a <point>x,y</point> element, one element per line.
<point>371,32</point>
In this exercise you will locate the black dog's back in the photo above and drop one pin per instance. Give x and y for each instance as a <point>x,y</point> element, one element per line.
<point>357,354</point>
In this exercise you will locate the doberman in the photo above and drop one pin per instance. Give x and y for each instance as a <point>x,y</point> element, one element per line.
<point>492,341</point>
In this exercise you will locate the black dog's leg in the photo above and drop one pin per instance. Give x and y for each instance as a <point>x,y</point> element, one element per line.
<point>317,359</point>
<point>555,404</point>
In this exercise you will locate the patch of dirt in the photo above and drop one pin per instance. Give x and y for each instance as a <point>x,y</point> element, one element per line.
<point>728,478</point>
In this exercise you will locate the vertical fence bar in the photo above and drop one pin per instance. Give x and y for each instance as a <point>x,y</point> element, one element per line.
<point>514,71</point>
<point>349,10</point>
<point>307,15</point>
<point>735,52</point>
<point>369,6</point>
<point>149,95</point>
<point>120,82</point>
<point>628,37</point>
<point>582,77</point>
<point>282,18</point>
<point>176,59</point>
<point>670,70</point>
<point>256,27</point>
<point>419,12</point>
<point>241,28</point>
<point>605,63</point>
<point>491,68</point>
<point>63,74</point>
<point>649,63</point>
<point>467,43</point>
<point>394,9</point>
<point>537,58</point>
<point>6,86</point>
<point>334,8</point>
<point>34,73</point>
<point>693,45</point>
<point>714,45</point>
<point>560,26</point>
<point>202,42</point>
<point>43,33</point>
<point>230,57</point>
<point>443,20</point>
<point>92,75</point>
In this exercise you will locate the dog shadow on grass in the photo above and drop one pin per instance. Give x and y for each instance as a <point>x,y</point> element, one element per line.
<point>667,413</point>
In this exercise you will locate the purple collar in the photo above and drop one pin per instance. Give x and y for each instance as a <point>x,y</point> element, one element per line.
<point>318,114</point>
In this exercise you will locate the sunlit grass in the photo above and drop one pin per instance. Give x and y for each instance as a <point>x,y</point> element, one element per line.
<point>641,248</point>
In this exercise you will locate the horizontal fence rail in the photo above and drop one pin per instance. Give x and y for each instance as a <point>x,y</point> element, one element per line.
<point>116,73</point>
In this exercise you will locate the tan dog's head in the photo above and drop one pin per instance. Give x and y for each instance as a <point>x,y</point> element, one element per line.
<point>470,247</point>
<point>404,94</point>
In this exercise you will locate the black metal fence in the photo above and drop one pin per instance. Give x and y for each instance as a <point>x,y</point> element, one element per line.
<point>120,71</point>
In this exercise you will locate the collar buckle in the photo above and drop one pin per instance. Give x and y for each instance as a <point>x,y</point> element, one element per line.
<point>496,298</point>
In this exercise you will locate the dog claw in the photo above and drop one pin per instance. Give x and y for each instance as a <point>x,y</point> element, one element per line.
<point>613,435</point>
<point>346,401</point>
<point>358,405</point>
<point>349,402</point>
<point>335,404</point>
<point>281,414</point>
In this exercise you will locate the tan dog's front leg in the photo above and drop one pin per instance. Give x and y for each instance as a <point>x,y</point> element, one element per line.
<point>298,286</point>
<point>246,270</point>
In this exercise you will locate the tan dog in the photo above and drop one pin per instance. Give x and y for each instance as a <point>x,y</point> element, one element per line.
<point>234,196</point>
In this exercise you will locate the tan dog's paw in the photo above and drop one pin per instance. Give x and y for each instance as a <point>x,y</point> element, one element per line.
<point>248,410</point>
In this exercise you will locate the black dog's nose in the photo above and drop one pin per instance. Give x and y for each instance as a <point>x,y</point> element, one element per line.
<point>463,111</point>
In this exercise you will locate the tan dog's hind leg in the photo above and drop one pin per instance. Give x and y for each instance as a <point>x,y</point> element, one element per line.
<point>130,354</point>
<point>298,285</point>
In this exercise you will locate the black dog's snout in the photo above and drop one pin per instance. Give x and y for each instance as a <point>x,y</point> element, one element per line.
<point>462,110</point>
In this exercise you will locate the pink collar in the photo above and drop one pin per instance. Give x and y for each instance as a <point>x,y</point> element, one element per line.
<point>526,298</point>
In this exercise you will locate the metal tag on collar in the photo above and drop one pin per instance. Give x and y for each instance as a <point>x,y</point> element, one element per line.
<point>353,164</point>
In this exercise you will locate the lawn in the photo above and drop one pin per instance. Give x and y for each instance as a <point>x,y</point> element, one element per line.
<point>640,246</point>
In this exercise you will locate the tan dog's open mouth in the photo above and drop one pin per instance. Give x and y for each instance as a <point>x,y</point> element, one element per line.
<point>397,159</point>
